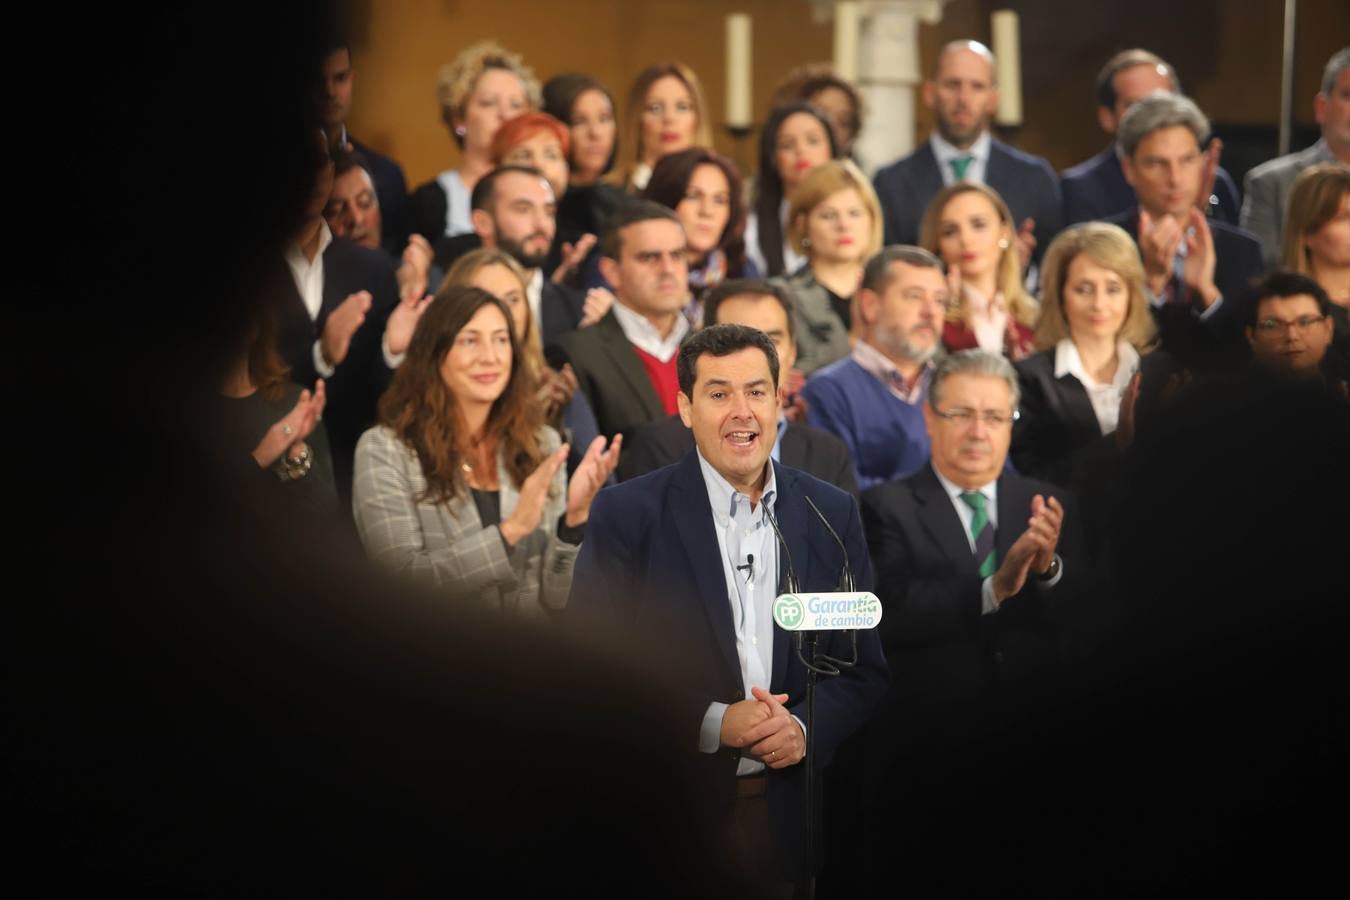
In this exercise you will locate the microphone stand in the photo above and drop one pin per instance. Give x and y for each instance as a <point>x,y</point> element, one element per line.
<point>817,666</point>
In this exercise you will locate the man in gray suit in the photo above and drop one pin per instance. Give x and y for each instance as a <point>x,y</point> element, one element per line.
<point>1267,186</point>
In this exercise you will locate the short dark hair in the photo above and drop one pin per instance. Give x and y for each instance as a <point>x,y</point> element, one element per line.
<point>483,191</point>
<point>877,272</point>
<point>1280,283</point>
<point>631,213</point>
<point>1128,59</point>
<point>346,160</point>
<point>721,340</point>
<point>748,287</point>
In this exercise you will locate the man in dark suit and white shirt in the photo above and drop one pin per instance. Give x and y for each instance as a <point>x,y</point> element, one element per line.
<point>1196,269</point>
<point>1096,188</point>
<point>687,557</point>
<point>762,304</point>
<point>625,363</point>
<point>341,319</point>
<point>963,97</point>
<point>1268,184</point>
<point>514,210</point>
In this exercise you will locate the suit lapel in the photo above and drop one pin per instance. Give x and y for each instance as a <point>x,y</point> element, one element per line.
<point>927,172</point>
<point>692,513</point>
<point>939,518</point>
<point>625,360</point>
<point>1075,406</point>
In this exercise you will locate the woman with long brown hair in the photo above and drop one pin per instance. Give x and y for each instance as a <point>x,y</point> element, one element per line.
<point>461,484</point>
<point>1317,243</point>
<point>666,113</point>
<point>969,226</point>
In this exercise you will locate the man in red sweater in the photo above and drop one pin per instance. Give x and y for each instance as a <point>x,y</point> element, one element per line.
<point>626,362</point>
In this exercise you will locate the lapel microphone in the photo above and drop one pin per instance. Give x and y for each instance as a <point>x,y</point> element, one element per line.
<point>749,568</point>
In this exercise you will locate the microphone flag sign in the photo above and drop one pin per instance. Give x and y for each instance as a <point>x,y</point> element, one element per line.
<point>829,611</point>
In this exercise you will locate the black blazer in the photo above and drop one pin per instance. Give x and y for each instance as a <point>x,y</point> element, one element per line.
<point>1057,438</point>
<point>811,450</point>
<point>611,375</point>
<point>1220,340</point>
<point>1026,183</point>
<point>1096,189</point>
<point>937,643</point>
<point>650,567</point>
<point>355,386</point>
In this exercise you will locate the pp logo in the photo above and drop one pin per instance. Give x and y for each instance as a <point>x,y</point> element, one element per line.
<point>788,612</point>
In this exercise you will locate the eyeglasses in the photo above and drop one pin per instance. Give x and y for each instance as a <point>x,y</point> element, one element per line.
<point>963,416</point>
<point>1280,326</point>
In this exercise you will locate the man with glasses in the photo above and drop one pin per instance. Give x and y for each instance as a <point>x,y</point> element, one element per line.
<point>1291,329</point>
<point>871,399</point>
<point>971,561</point>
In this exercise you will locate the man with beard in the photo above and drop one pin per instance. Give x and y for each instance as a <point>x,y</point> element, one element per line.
<point>873,398</point>
<point>963,97</point>
<point>514,211</point>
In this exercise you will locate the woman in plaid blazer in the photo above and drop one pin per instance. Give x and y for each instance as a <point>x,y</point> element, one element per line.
<point>461,484</point>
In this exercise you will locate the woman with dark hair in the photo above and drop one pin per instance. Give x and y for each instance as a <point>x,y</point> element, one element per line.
<point>704,189</point>
<point>817,84</point>
<point>265,414</point>
<point>665,113</point>
<point>586,107</point>
<point>461,484</point>
<point>796,138</point>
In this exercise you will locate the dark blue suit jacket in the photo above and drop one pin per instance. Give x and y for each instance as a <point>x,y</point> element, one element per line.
<point>1096,189</point>
<point>1026,183</point>
<point>1218,341</point>
<point>651,566</point>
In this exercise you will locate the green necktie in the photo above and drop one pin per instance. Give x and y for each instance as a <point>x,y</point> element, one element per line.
<point>960,164</point>
<point>982,531</point>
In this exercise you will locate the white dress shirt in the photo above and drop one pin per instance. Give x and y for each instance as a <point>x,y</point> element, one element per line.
<point>458,211</point>
<point>1105,397</point>
<point>743,533</point>
<point>641,333</point>
<point>990,491</point>
<point>946,152</point>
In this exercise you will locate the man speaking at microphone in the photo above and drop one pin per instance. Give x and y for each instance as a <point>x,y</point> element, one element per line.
<point>686,561</point>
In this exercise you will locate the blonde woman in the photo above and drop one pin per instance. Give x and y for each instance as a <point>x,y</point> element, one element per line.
<point>834,220</point>
<point>1317,238</point>
<point>666,113</point>
<point>1094,334</point>
<point>484,86</point>
<point>969,226</point>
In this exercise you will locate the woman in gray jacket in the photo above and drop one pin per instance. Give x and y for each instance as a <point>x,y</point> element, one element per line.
<point>461,484</point>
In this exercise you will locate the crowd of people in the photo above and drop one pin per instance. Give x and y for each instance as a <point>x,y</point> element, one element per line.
<point>587,373</point>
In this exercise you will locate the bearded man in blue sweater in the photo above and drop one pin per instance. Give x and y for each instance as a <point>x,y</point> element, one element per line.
<point>873,398</point>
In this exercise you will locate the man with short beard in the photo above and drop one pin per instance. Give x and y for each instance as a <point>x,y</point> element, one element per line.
<point>963,96</point>
<point>514,211</point>
<point>873,398</point>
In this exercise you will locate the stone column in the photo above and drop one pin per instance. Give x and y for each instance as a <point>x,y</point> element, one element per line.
<point>888,71</point>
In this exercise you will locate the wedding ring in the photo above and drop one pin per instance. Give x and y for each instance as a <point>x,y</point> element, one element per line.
<point>287,430</point>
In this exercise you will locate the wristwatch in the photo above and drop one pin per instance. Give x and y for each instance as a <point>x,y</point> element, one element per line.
<point>293,468</point>
<point>1051,572</point>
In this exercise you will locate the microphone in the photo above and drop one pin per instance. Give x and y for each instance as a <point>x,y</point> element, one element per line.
<point>792,585</point>
<point>845,574</point>
<point>749,568</point>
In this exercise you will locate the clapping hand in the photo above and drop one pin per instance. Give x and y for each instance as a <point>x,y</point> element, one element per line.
<point>590,476</point>
<point>288,435</point>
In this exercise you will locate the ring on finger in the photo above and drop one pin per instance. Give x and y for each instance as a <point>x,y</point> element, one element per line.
<point>287,429</point>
